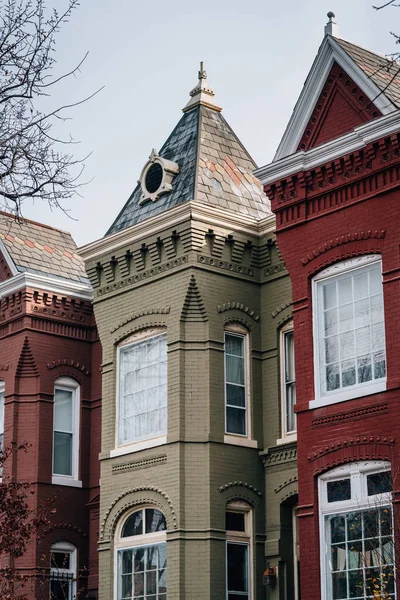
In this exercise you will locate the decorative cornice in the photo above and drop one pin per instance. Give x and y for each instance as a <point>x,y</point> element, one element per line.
<point>191,210</point>
<point>139,464</point>
<point>152,310</point>
<point>45,282</point>
<point>227,266</point>
<point>68,362</point>
<point>351,415</point>
<point>351,142</point>
<point>244,484</point>
<point>238,306</point>
<point>280,454</point>
<point>355,236</point>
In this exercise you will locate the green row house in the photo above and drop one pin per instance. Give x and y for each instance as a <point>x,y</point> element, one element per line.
<point>193,307</point>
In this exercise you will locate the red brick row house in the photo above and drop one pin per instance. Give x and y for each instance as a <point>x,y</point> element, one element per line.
<point>50,396</point>
<point>335,189</point>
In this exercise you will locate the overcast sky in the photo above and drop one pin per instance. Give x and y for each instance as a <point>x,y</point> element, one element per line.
<point>257,54</point>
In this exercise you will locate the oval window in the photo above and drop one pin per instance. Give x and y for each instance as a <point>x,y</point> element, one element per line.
<point>154,177</point>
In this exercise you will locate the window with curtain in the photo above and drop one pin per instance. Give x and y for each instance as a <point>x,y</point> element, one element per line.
<point>142,556</point>
<point>349,324</point>
<point>238,551</point>
<point>1,420</point>
<point>66,428</point>
<point>235,383</point>
<point>62,571</point>
<point>142,410</point>
<point>288,383</point>
<point>357,543</point>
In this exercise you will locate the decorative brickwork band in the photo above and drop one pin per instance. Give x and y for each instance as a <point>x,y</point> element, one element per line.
<point>238,306</point>
<point>151,310</point>
<point>344,239</point>
<point>68,362</point>
<point>351,415</point>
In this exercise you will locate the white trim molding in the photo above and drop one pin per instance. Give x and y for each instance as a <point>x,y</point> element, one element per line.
<point>329,52</point>
<point>46,282</point>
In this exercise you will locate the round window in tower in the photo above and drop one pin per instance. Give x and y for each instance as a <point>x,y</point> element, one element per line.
<point>154,177</point>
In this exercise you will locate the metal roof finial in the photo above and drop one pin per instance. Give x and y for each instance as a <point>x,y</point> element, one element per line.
<point>202,93</point>
<point>331,28</point>
<point>202,72</point>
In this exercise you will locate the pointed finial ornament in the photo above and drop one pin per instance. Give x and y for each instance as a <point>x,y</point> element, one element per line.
<point>202,93</point>
<point>331,28</point>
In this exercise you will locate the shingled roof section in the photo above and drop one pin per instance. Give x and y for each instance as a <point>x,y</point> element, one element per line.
<point>214,167</point>
<point>41,249</point>
<point>384,72</point>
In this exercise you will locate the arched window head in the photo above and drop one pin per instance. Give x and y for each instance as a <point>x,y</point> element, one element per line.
<point>66,432</point>
<point>63,569</point>
<point>142,555</point>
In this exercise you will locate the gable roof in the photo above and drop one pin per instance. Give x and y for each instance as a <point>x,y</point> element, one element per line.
<point>214,166</point>
<point>31,247</point>
<point>369,71</point>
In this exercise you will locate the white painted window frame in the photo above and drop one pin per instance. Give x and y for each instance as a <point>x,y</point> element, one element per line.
<point>135,541</point>
<point>70,385</point>
<point>244,538</point>
<point>238,439</point>
<point>70,549</point>
<point>287,436</point>
<point>128,448</point>
<point>360,500</point>
<point>357,390</point>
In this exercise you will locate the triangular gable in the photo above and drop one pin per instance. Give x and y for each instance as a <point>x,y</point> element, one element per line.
<point>330,52</point>
<point>7,265</point>
<point>341,107</point>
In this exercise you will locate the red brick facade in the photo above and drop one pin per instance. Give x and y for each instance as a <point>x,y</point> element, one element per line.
<point>45,336</point>
<point>343,208</point>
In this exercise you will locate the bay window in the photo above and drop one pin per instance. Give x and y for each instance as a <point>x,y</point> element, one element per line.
<point>349,333</point>
<point>357,544</point>
<point>142,403</point>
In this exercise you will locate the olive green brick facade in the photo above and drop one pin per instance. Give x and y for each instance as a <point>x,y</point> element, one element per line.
<point>202,264</point>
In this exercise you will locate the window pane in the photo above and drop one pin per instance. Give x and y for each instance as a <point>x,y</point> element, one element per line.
<point>235,395</point>
<point>236,420</point>
<point>332,377</point>
<point>234,344</point>
<point>1,412</point>
<point>133,524</point>
<point>60,589</point>
<point>234,369</point>
<point>329,290</point>
<point>155,520</point>
<point>290,404</point>
<point>364,369</point>
<point>339,490</point>
<point>237,567</point>
<point>235,521</point>
<point>60,560</point>
<point>63,410</point>
<point>143,390</point>
<point>338,530</point>
<point>62,454</point>
<point>339,587</point>
<point>379,483</point>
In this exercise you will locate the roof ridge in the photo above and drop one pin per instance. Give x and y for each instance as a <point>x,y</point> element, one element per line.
<point>25,220</point>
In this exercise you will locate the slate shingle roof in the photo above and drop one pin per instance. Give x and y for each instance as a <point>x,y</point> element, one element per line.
<point>385,73</point>
<point>41,249</point>
<point>214,168</point>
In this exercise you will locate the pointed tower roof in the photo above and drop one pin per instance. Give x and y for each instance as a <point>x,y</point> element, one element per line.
<point>202,160</point>
<point>345,78</point>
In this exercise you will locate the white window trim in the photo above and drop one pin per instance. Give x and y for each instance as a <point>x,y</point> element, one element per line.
<point>72,551</point>
<point>130,447</point>
<point>244,538</point>
<point>360,501</point>
<point>291,436</point>
<point>134,541</point>
<point>359,390</point>
<point>237,439</point>
<point>70,385</point>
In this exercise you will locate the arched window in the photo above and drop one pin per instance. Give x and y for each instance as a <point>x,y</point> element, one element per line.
<point>238,551</point>
<point>142,556</point>
<point>62,571</point>
<point>66,432</point>
<point>142,385</point>
<point>357,546</point>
